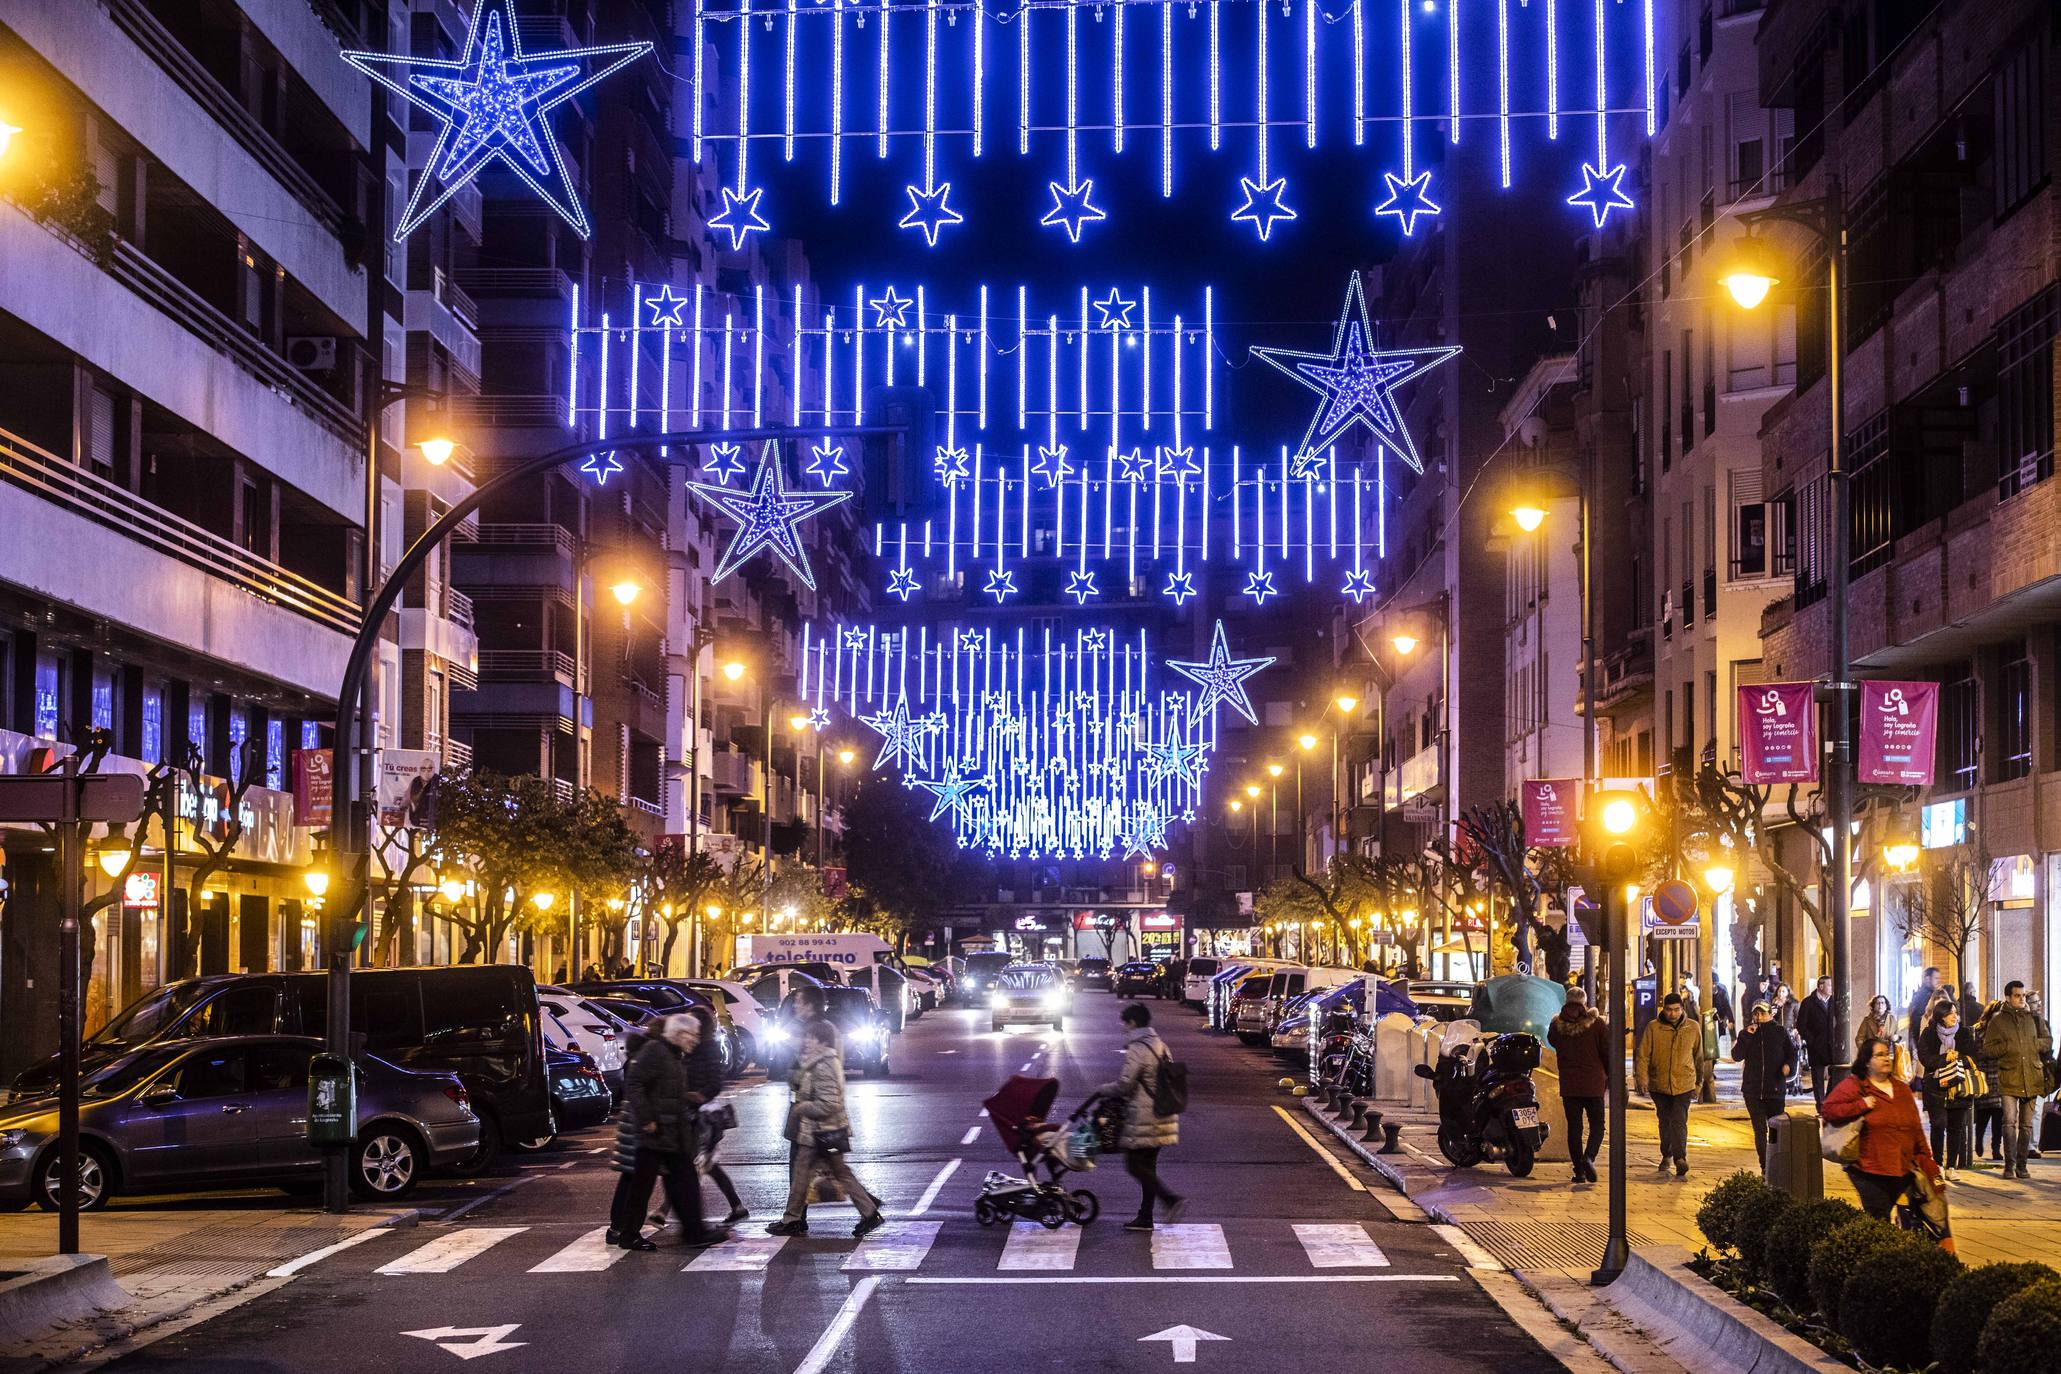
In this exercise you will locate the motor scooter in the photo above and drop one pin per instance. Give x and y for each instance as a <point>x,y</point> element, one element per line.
<point>1488,1106</point>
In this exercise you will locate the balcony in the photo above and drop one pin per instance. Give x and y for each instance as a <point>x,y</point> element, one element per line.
<point>448,315</point>
<point>517,297</point>
<point>536,410</point>
<point>525,665</point>
<point>733,775</point>
<point>1417,775</point>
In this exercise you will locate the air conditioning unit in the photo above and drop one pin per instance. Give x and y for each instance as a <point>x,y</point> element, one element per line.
<point>312,352</point>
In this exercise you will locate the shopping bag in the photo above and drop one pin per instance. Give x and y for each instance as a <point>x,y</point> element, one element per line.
<point>1840,1141</point>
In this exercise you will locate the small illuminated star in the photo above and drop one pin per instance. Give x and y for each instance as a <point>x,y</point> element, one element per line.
<point>1178,463</point>
<point>1080,586</point>
<point>1132,467</point>
<point>1175,758</point>
<point>929,212</point>
<point>1114,310</point>
<point>1263,204</point>
<point>1095,641</point>
<point>602,466</point>
<point>1259,586</point>
<point>1180,586</point>
<point>1358,585</point>
<point>1052,466</point>
<point>819,719</point>
<point>952,464</point>
<point>739,216</point>
<point>1602,191</point>
<point>665,307</point>
<point>725,462</point>
<point>891,311</point>
<point>1072,207</point>
<point>901,584</point>
<point>1407,199</point>
<point>900,737</point>
<point>1001,583</point>
<point>826,462</point>
<point>854,638</point>
<point>1221,677</point>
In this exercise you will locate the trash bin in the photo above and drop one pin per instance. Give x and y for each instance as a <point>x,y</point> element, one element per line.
<point>1793,1163</point>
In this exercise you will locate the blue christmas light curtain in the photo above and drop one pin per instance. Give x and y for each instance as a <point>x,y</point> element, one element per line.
<point>1077,744</point>
<point>1213,94</point>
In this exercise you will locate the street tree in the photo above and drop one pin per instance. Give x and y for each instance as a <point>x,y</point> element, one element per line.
<point>1521,877</point>
<point>904,868</point>
<point>216,841</point>
<point>1945,907</point>
<point>677,885</point>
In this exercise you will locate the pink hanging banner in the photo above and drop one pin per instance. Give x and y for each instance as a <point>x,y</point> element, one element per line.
<point>1899,725</point>
<point>1778,732</point>
<point>1552,812</point>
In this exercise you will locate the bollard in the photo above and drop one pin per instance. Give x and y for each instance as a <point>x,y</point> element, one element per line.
<point>1284,1084</point>
<point>1339,1097</point>
<point>1392,1139</point>
<point>1373,1132</point>
<point>1359,1117</point>
<point>1299,1091</point>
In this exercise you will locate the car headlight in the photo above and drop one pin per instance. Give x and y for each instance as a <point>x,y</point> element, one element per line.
<point>865,1035</point>
<point>998,999</point>
<point>778,1035</point>
<point>1054,1000</point>
<point>11,1138</point>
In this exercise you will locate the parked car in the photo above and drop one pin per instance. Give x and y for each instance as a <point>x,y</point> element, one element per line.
<point>667,996</point>
<point>978,978</point>
<point>828,974</point>
<point>1138,978</point>
<point>232,1113</point>
<point>579,1094</point>
<point>1291,1038</point>
<point>888,988</point>
<point>1248,1011</point>
<point>925,989</point>
<point>1094,973</point>
<point>1026,993</point>
<point>1443,1001</point>
<point>748,1016</point>
<point>1195,986</point>
<point>773,984</point>
<point>592,1028</point>
<point>481,1022</point>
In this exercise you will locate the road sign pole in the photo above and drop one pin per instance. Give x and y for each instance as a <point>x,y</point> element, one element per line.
<point>71,897</point>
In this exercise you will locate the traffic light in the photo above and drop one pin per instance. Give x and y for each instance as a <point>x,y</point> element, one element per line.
<point>1613,823</point>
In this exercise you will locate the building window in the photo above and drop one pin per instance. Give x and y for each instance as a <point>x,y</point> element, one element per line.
<point>1807,538</point>
<point>2021,161</point>
<point>153,741</point>
<point>2014,709</point>
<point>197,724</point>
<point>275,754</point>
<point>49,692</point>
<point>2025,395</point>
<point>1960,726</point>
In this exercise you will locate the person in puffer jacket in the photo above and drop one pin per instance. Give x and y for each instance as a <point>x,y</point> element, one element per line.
<point>1145,1132</point>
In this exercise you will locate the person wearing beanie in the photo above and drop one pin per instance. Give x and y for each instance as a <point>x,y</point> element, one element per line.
<point>1582,1040</point>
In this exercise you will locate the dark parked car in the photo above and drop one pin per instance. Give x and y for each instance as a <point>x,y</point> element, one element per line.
<point>977,979</point>
<point>579,1092</point>
<point>666,996</point>
<point>229,1113</point>
<point>479,1022</point>
<point>1094,973</point>
<point>1139,978</point>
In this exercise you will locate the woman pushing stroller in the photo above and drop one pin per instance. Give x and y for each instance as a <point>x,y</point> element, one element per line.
<point>1145,1131</point>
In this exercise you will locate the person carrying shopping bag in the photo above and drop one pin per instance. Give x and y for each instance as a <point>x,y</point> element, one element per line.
<point>1950,1084</point>
<point>1887,1144</point>
<point>822,1135</point>
<point>713,1119</point>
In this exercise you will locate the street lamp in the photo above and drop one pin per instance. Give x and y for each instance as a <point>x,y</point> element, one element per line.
<point>7,133</point>
<point>115,854</point>
<point>1405,643</point>
<point>1749,277</point>
<point>625,590</point>
<point>1718,878</point>
<point>436,450</point>
<point>317,881</point>
<point>1901,856</point>
<point>734,670</point>
<point>1612,824</point>
<point>1528,517</point>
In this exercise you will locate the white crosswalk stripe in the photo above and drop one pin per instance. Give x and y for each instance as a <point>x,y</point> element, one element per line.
<point>1339,1245</point>
<point>1190,1245</point>
<point>897,1245</point>
<point>447,1252</point>
<point>738,1255</point>
<point>1031,1246</point>
<point>587,1255</point>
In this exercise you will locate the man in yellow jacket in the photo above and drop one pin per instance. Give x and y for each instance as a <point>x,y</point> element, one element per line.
<point>1670,1064</point>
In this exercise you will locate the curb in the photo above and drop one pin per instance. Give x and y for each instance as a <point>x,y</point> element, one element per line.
<point>1700,1326</point>
<point>50,1292</point>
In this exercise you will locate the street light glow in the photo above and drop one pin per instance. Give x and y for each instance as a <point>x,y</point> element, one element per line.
<point>114,857</point>
<point>1237,805</point>
<point>317,881</point>
<point>543,901</point>
<point>797,722</point>
<point>1274,770</point>
<point>1619,816</point>
<point>1528,517</point>
<point>1748,289</point>
<point>437,451</point>
<point>1308,742</point>
<point>845,757</point>
<point>1752,273</point>
<point>1252,789</point>
<point>1900,856</point>
<point>1348,703</point>
<point>7,133</point>
<point>734,670</point>
<point>625,591</point>
<point>1718,878</point>
<point>452,889</point>
<point>1404,643</point>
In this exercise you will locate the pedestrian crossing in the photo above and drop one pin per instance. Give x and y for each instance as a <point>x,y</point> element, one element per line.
<point>907,1245</point>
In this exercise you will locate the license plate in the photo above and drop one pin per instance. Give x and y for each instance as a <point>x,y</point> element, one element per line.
<point>1525,1118</point>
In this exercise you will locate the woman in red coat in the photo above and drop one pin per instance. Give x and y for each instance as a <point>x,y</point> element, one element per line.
<point>1892,1136</point>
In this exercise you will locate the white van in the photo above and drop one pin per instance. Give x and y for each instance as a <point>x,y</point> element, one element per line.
<point>1195,985</point>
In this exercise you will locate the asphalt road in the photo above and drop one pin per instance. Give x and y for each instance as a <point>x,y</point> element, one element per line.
<point>1285,1253</point>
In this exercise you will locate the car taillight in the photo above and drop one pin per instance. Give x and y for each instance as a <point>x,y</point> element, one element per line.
<point>456,1092</point>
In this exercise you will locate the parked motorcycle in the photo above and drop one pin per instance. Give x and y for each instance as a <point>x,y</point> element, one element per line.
<point>1488,1106</point>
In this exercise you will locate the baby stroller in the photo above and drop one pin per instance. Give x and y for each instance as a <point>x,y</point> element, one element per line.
<point>1056,1148</point>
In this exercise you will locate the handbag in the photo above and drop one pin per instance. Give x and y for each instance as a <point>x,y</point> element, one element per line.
<point>719,1117</point>
<point>1841,1141</point>
<point>837,1142</point>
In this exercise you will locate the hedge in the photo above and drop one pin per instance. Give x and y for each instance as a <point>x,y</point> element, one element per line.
<point>1886,1307</point>
<point>1840,1252</point>
<point>1718,1216</point>
<point>1786,1254</point>
<point>2023,1334</point>
<point>1750,1226</point>
<point>1965,1305</point>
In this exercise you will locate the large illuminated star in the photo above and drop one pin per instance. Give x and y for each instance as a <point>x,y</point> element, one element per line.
<point>1602,191</point>
<point>900,737</point>
<point>1408,197</point>
<point>891,311</point>
<point>1052,466</point>
<point>490,104</point>
<point>1073,207</point>
<point>1357,383</point>
<point>952,792</point>
<point>901,584</point>
<point>602,466</point>
<point>1222,677</point>
<point>1263,204</point>
<point>767,516</point>
<point>665,308</point>
<point>1114,310</point>
<point>929,211</point>
<point>1178,463</point>
<point>1175,758</point>
<point>739,216</point>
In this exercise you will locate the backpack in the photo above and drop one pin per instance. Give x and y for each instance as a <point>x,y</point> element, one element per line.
<point>1169,1087</point>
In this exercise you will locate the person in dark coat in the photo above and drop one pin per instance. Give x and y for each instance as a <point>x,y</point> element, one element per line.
<point>705,1085</point>
<point>1946,1050</point>
<point>655,1137</point>
<point>1721,1004</point>
<point>1814,1029</point>
<point>1582,1040</point>
<point>1769,1057</point>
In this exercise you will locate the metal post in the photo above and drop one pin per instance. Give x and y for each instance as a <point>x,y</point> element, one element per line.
<point>766,815</point>
<point>1302,837</point>
<point>1840,777</point>
<point>1617,1250</point>
<point>71,859</point>
<point>819,809</point>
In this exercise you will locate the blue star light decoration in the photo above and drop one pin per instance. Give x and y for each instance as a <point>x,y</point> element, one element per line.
<point>739,217</point>
<point>1080,586</point>
<point>666,308</point>
<point>1357,383</point>
<point>768,515</point>
<point>1221,677</point>
<point>900,737</point>
<point>891,311</point>
<point>952,791</point>
<point>1178,464</point>
<point>929,211</point>
<point>1264,205</point>
<point>1358,586</point>
<point>490,106</point>
<point>951,464</point>
<point>1180,586</point>
<point>1001,584</point>
<point>725,462</point>
<point>1407,199</point>
<point>1176,758</point>
<point>1133,467</point>
<point>1602,191</point>
<point>1259,586</point>
<point>901,584</point>
<point>1052,467</point>
<point>1073,207</point>
<point>602,466</point>
<point>1114,310</point>
<point>826,462</point>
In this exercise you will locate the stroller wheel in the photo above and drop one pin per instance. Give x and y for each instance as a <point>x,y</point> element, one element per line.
<point>1052,1215</point>
<point>1083,1206</point>
<point>984,1212</point>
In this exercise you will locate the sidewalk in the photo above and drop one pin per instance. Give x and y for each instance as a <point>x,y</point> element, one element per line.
<point>1544,1223</point>
<point>172,1262</point>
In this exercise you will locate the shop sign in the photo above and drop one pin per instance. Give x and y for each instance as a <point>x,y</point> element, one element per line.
<point>140,889</point>
<point>1160,920</point>
<point>1899,722</point>
<point>1778,732</point>
<point>1552,812</point>
<point>1942,825</point>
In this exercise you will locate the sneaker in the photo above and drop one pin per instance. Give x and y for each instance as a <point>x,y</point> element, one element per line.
<point>737,1214</point>
<point>1952,1176</point>
<point>868,1225</point>
<point>1138,1224</point>
<point>788,1228</point>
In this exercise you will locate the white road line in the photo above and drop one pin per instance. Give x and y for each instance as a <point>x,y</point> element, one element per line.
<point>1031,1246</point>
<point>826,1346</point>
<point>446,1253</point>
<point>292,1267</point>
<point>994,1281</point>
<point>485,1198</point>
<point>589,1254</point>
<point>972,1134</point>
<point>936,1185</point>
<point>1343,1245</point>
<point>739,1255</point>
<point>897,1245</point>
<point>1476,1257</point>
<point>1197,1245</point>
<point>1322,1153</point>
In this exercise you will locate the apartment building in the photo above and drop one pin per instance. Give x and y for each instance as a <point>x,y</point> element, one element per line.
<point>1931,131</point>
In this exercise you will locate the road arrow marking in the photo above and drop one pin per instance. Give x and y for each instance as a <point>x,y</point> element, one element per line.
<point>490,1339</point>
<point>1182,1339</point>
